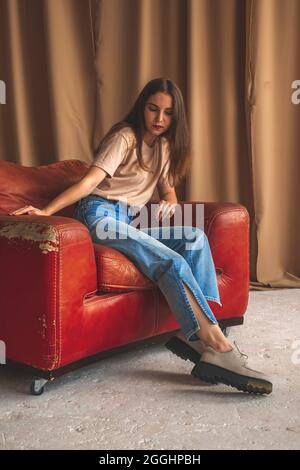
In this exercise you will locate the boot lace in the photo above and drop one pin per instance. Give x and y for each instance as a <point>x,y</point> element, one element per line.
<point>240,352</point>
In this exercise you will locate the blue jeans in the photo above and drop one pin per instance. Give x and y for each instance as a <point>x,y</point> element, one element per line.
<point>163,259</point>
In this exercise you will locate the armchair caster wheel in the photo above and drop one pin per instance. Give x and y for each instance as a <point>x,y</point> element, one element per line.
<point>37,386</point>
<point>226,331</point>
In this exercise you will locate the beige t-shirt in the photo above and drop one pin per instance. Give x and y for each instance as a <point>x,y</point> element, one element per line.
<point>126,180</point>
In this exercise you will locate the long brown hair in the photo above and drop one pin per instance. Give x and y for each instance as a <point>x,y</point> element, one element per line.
<point>177,134</point>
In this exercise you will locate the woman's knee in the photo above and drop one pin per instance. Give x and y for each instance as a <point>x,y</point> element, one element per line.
<point>194,237</point>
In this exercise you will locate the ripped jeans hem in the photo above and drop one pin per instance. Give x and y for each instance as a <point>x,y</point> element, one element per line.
<point>208,313</point>
<point>191,336</point>
<point>214,299</point>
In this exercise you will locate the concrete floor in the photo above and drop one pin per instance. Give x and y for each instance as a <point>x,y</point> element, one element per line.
<point>146,398</point>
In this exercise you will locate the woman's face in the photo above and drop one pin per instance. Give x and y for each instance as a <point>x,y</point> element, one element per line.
<point>158,115</point>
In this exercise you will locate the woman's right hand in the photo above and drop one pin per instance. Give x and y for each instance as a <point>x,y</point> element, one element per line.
<point>30,210</point>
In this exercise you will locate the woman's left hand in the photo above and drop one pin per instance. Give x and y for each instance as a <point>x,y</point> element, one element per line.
<point>165,209</point>
<point>30,210</point>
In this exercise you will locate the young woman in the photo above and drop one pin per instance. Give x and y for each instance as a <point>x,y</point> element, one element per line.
<point>150,148</point>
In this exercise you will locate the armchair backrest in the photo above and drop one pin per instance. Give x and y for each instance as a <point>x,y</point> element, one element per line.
<point>37,185</point>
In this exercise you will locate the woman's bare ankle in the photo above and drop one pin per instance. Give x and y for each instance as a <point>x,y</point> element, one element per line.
<point>215,339</point>
<point>222,347</point>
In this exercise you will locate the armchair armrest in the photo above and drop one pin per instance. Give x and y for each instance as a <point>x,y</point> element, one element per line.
<point>47,268</point>
<point>227,228</point>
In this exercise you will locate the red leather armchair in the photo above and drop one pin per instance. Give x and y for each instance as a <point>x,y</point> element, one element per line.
<point>64,299</point>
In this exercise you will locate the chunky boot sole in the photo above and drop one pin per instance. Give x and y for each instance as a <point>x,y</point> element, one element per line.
<point>213,374</point>
<point>182,350</point>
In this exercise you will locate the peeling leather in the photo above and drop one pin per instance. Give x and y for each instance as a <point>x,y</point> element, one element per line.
<point>45,236</point>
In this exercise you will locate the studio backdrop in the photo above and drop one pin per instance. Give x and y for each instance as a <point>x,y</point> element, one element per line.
<point>72,68</point>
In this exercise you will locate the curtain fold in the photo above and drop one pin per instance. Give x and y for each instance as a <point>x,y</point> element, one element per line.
<point>46,61</point>
<point>73,68</point>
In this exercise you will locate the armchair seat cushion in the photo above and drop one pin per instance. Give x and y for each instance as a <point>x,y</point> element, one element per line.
<point>116,273</point>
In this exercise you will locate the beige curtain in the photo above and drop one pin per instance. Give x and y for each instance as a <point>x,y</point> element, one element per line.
<point>273,64</point>
<point>46,61</point>
<point>74,67</point>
